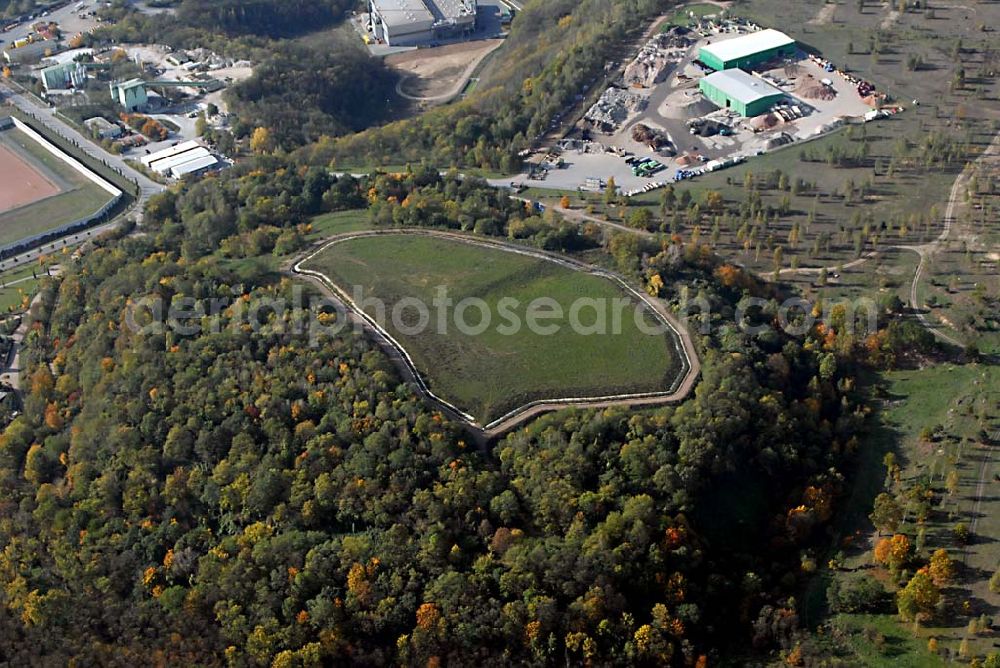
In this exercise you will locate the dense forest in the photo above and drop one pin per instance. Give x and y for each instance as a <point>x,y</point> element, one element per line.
<point>232,18</point>
<point>300,94</point>
<point>271,18</point>
<point>243,496</point>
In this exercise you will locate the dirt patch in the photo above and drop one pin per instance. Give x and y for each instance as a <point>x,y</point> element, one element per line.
<point>812,89</point>
<point>889,20</point>
<point>21,184</point>
<point>440,71</point>
<point>824,15</point>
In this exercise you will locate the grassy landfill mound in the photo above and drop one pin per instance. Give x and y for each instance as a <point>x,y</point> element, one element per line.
<point>492,373</point>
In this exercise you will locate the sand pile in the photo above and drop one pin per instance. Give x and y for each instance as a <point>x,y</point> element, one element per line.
<point>765,122</point>
<point>684,107</point>
<point>818,91</point>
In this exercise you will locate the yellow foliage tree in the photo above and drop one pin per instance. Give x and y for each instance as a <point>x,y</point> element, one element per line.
<point>942,568</point>
<point>260,141</point>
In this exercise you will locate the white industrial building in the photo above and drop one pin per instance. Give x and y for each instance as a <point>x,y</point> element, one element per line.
<point>419,22</point>
<point>185,159</point>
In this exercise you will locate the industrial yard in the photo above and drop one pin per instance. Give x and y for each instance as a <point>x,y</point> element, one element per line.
<point>701,98</point>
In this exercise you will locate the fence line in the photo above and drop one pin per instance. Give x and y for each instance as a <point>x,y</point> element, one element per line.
<point>71,148</point>
<point>68,159</point>
<point>78,225</point>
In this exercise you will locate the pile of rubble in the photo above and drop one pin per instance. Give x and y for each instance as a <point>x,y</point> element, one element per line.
<point>614,106</point>
<point>656,140</point>
<point>651,64</point>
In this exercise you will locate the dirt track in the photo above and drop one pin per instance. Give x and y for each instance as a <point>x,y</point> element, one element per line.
<point>685,345</point>
<point>21,184</point>
<point>440,73</point>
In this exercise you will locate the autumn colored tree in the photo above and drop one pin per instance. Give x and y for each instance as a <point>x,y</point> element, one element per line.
<point>893,552</point>
<point>564,201</point>
<point>941,568</point>
<point>917,601</point>
<point>728,274</point>
<point>260,141</point>
<point>610,191</point>
<point>886,514</point>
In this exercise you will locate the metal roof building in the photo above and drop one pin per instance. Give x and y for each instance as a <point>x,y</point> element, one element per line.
<point>129,94</point>
<point>742,92</point>
<point>188,157</point>
<point>194,166</point>
<point>401,22</point>
<point>748,50</point>
<point>415,22</point>
<point>169,152</point>
<point>63,76</point>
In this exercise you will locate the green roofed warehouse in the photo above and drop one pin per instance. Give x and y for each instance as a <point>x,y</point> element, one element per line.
<point>748,50</point>
<point>744,93</point>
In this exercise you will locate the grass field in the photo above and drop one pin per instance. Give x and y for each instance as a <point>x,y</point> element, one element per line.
<point>80,197</point>
<point>958,403</point>
<point>491,373</point>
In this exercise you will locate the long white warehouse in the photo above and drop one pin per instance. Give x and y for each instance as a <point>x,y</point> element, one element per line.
<point>188,157</point>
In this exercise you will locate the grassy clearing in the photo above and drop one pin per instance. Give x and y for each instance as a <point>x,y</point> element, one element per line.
<point>339,222</point>
<point>961,286</point>
<point>491,373</point>
<point>878,641</point>
<point>15,298</point>
<point>958,403</point>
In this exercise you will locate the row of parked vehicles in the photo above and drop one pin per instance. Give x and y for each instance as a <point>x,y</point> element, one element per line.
<point>644,167</point>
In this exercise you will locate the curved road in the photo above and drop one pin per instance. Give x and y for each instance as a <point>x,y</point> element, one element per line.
<point>397,353</point>
<point>457,88</point>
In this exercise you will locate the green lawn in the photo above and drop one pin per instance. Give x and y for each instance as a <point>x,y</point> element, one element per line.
<point>879,641</point>
<point>338,222</point>
<point>959,402</point>
<point>12,298</point>
<point>490,373</point>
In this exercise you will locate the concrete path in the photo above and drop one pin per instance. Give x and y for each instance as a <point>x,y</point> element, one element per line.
<point>12,369</point>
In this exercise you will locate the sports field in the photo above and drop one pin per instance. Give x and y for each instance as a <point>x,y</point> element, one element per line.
<point>488,371</point>
<point>39,192</point>
<point>22,184</point>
